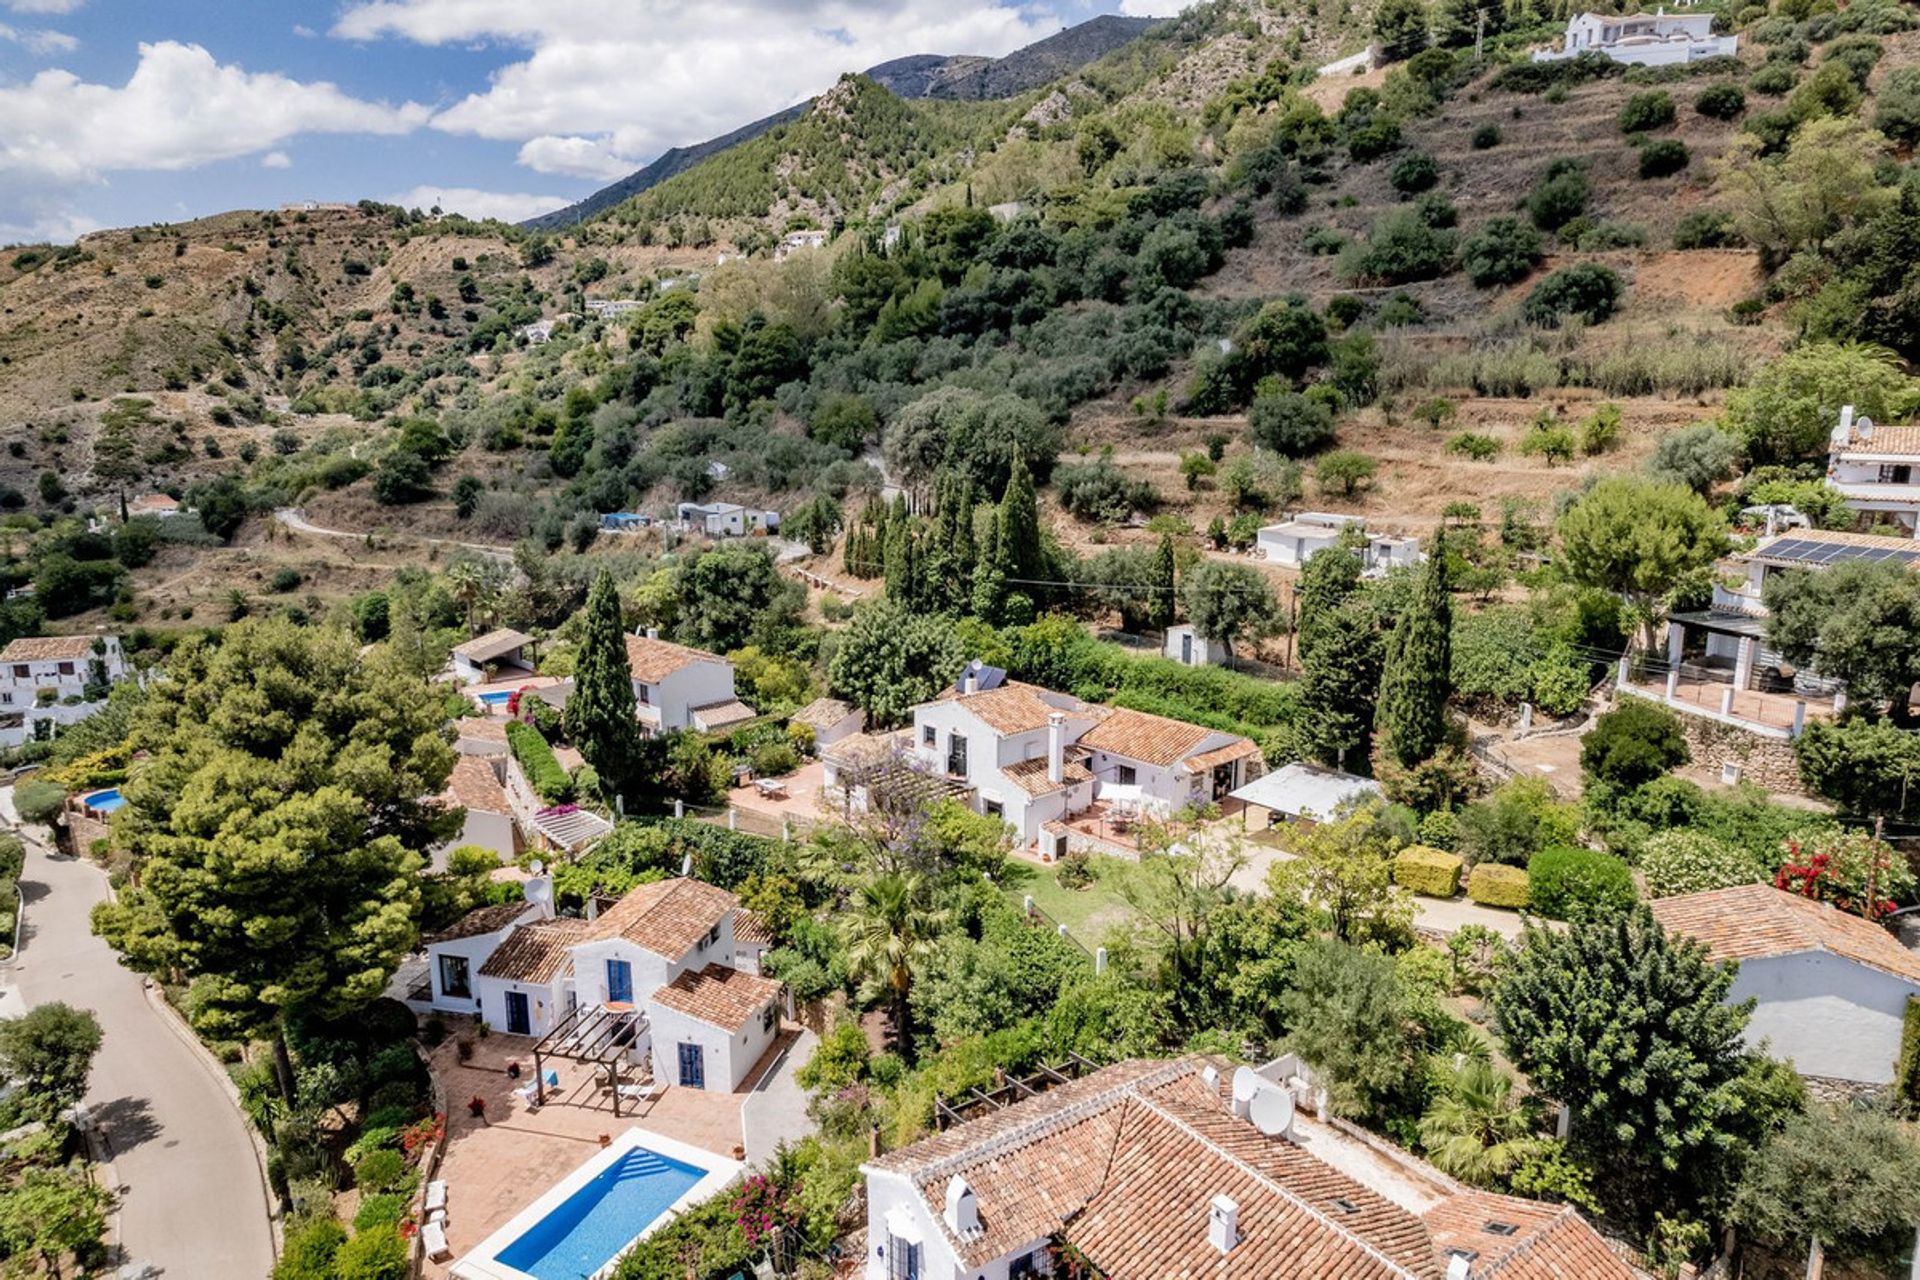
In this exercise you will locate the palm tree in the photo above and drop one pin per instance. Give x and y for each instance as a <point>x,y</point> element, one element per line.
<point>890,930</point>
<point>1476,1130</point>
<point>468,582</point>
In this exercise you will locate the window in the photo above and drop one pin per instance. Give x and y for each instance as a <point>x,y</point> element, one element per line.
<point>1895,473</point>
<point>995,809</point>
<point>1501,1228</point>
<point>1059,846</point>
<point>619,980</point>
<point>453,977</point>
<point>21,671</point>
<point>642,694</point>
<point>956,755</point>
<point>929,736</point>
<point>66,668</point>
<point>769,1017</point>
<point>1025,1267</point>
<point>904,1262</point>
<point>1126,775</point>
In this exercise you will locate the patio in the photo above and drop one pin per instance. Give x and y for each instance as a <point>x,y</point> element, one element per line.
<point>1776,714</point>
<point>497,1164</point>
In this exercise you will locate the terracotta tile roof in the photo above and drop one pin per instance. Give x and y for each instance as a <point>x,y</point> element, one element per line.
<point>1755,921</point>
<point>823,713</point>
<point>1124,1163</point>
<point>718,715</point>
<point>717,995</point>
<point>1548,1242</point>
<point>147,502</point>
<point>750,929</point>
<point>1892,441</point>
<point>1031,775</point>
<point>666,917</point>
<point>481,920</point>
<point>492,645</point>
<point>1238,749</point>
<point>473,785</point>
<point>1150,739</point>
<point>48,649</point>
<point>482,729</point>
<point>537,952</point>
<point>1011,708</point>
<point>652,661</point>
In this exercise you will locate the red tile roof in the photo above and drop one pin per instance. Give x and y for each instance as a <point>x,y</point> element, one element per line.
<point>48,649</point>
<point>1756,921</point>
<point>1150,739</point>
<point>1031,775</point>
<point>481,920</point>
<point>652,661</point>
<point>492,645</point>
<point>719,996</point>
<point>667,917</point>
<point>1011,708</point>
<point>537,952</point>
<point>473,785</point>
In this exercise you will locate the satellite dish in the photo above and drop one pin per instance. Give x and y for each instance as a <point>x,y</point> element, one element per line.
<point>538,867</point>
<point>538,890</point>
<point>1246,1083</point>
<point>1272,1112</point>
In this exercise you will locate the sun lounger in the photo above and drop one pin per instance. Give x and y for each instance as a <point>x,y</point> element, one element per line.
<point>434,1237</point>
<point>436,1196</point>
<point>647,1092</point>
<point>529,1093</point>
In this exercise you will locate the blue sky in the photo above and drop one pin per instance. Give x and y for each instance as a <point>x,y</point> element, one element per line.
<point>119,112</point>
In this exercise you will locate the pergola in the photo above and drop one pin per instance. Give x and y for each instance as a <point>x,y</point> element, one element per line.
<point>597,1034</point>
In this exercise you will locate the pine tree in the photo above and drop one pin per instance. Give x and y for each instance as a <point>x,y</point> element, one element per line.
<point>601,718</point>
<point>1329,580</point>
<point>1418,673</point>
<point>1160,607</point>
<point>1341,683</point>
<point>1021,556</point>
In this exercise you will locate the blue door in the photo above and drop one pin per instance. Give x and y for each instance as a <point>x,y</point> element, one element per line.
<point>619,980</point>
<point>518,1021</point>
<point>693,1067</point>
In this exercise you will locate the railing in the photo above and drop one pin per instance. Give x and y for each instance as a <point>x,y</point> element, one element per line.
<point>1037,915</point>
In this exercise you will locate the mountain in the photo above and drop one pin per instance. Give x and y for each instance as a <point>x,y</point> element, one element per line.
<point>957,77</point>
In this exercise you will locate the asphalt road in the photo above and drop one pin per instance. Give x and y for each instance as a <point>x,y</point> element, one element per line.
<point>194,1205</point>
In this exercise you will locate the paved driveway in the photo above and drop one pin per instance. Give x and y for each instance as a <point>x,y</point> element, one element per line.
<point>194,1204</point>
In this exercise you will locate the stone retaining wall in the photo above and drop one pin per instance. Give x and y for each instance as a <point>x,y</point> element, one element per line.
<point>1765,762</point>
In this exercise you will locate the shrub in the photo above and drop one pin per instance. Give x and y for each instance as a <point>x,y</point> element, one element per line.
<point>1896,107</point>
<point>1560,196</point>
<point>1413,173</point>
<point>1473,444</point>
<point>1503,251</point>
<point>1493,885</point>
<point>544,774</point>
<point>1399,248</point>
<point>383,1210</point>
<point>1721,101</point>
<point>1644,111</point>
<point>1683,861</point>
<point>1289,423</point>
<point>1101,493</point>
<point>38,801</point>
<point>379,1170</point>
<point>1344,472</point>
<point>1707,229</point>
<point>1433,872</point>
<point>1633,744</point>
<point>309,1251</point>
<point>1664,158</point>
<point>285,580</point>
<point>1773,79</point>
<point>1586,289</point>
<point>375,1254</point>
<point>1517,820</point>
<point>1486,137</point>
<point>1567,881</point>
<point>775,759</point>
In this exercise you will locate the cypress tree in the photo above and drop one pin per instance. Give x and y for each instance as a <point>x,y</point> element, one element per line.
<point>1341,683</point>
<point>1160,605</point>
<point>1019,532</point>
<point>1417,677</point>
<point>989,582</point>
<point>1330,578</point>
<point>600,716</point>
<point>898,585</point>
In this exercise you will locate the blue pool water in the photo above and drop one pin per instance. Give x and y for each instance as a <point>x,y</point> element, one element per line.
<point>498,698</point>
<point>105,801</point>
<point>589,1227</point>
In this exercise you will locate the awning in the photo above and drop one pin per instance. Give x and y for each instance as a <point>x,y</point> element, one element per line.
<point>1213,759</point>
<point>572,828</point>
<point>1305,791</point>
<point>1726,622</point>
<point>720,715</point>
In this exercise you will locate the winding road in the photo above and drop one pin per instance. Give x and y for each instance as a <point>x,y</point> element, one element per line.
<point>194,1204</point>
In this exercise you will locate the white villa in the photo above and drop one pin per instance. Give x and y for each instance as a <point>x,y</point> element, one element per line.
<point>679,687</point>
<point>724,519</point>
<point>1830,990</point>
<point>1645,39</point>
<point>654,974</point>
<point>488,657</point>
<point>478,785</point>
<point>1043,760</point>
<point>43,679</point>
<point>1292,543</point>
<point>1188,1168</point>
<point>798,242</point>
<point>1876,469</point>
<point>159,506</point>
<point>613,308</point>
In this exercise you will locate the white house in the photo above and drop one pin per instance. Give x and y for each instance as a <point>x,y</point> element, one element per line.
<point>488,657</point>
<point>1190,649</point>
<point>799,241</point>
<point>1039,759</point>
<point>1876,469</point>
<point>1645,39</point>
<point>539,333</point>
<point>613,308</point>
<point>725,519</point>
<point>477,786</point>
<point>831,720</point>
<point>678,687</point>
<point>663,958</point>
<point>1292,543</point>
<point>159,506</point>
<point>44,682</point>
<point>1830,989</point>
<point>1190,1168</point>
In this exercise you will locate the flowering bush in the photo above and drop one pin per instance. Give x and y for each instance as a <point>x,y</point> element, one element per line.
<point>762,1208</point>
<point>1850,869</point>
<point>1683,861</point>
<point>417,1137</point>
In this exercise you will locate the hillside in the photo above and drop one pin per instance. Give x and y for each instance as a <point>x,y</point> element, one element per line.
<point>958,77</point>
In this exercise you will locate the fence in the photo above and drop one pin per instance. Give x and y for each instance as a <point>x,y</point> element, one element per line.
<point>753,822</point>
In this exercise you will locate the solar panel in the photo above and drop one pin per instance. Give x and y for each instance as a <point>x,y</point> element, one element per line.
<point>1807,551</point>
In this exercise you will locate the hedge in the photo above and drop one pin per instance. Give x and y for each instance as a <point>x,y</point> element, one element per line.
<point>544,774</point>
<point>1566,881</point>
<point>1906,1081</point>
<point>1495,885</point>
<point>1425,870</point>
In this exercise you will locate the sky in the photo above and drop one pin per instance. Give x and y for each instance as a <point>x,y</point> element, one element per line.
<point>115,113</point>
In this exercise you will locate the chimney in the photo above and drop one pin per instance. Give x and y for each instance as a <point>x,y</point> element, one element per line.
<point>1846,421</point>
<point>1459,1266</point>
<point>963,1210</point>
<point>1057,748</point>
<point>1223,1223</point>
<point>970,682</point>
<point>653,633</point>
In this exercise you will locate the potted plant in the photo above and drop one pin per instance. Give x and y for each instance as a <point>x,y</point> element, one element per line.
<point>513,1071</point>
<point>477,1107</point>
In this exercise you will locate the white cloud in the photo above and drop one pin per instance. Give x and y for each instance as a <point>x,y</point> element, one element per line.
<point>44,6</point>
<point>38,223</point>
<point>276,160</point>
<point>42,42</point>
<point>178,110</point>
<point>606,84</point>
<point>304,31</point>
<point>508,206</point>
<point>1155,8</point>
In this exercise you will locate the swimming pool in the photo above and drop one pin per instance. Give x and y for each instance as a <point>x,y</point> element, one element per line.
<point>104,801</point>
<point>498,698</point>
<point>588,1219</point>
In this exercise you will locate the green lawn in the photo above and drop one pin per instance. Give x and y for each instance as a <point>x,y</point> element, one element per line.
<point>1088,913</point>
